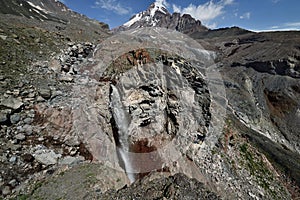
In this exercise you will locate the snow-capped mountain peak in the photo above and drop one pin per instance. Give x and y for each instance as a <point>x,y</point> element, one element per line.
<point>157,6</point>
<point>149,15</point>
<point>157,15</point>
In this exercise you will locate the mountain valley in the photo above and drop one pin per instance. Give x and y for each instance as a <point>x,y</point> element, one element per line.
<point>161,107</point>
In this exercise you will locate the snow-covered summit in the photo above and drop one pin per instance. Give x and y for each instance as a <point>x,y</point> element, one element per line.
<point>157,15</point>
<point>157,6</point>
<point>150,15</point>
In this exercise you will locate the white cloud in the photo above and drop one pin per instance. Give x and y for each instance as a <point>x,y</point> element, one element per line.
<point>275,1</point>
<point>246,15</point>
<point>292,24</point>
<point>289,26</point>
<point>205,12</point>
<point>176,8</point>
<point>112,5</point>
<point>163,2</point>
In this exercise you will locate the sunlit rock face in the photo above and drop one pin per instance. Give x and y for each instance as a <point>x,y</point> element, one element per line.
<point>160,105</point>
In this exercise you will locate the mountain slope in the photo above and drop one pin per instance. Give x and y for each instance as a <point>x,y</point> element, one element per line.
<point>71,112</point>
<point>53,16</point>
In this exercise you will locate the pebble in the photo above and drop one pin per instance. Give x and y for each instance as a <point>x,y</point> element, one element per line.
<point>13,159</point>
<point>3,37</point>
<point>28,120</point>
<point>28,130</point>
<point>3,117</point>
<point>13,183</point>
<point>45,93</point>
<point>20,137</point>
<point>40,99</point>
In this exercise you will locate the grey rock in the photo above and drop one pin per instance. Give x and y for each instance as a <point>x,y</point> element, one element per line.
<point>66,78</point>
<point>46,157</point>
<point>13,182</point>
<point>69,160</point>
<point>3,37</point>
<point>4,118</point>
<point>11,103</point>
<point>28,120</point>
<point>20,137</point>
<point>13,159</point>
<point>15,118</point>
<point>31,95</point>
<point>45,93</point>
<point>15,36</point>
<point>6,191</point>
<point>40,99</point>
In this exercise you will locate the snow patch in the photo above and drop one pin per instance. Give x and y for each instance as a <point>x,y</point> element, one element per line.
<point>136,18</point>
<point>148,16</point>
<point>37,7</point>
<point>40,13</point>
<point>158,6</point>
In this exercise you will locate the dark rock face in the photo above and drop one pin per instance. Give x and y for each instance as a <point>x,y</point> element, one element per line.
<point>178,186</point>
<point>158,16</point>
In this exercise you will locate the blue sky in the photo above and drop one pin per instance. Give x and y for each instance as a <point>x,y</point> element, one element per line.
<point>253,15</point>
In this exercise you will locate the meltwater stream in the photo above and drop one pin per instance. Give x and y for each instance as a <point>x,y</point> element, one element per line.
<point>122,123</point>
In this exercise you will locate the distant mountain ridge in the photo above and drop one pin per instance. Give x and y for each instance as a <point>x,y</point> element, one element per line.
<point>157,15</point>
<point>52,15</point>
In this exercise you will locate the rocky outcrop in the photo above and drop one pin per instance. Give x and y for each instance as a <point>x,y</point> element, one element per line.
<point>261,73</point>
<point>156,186</point>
